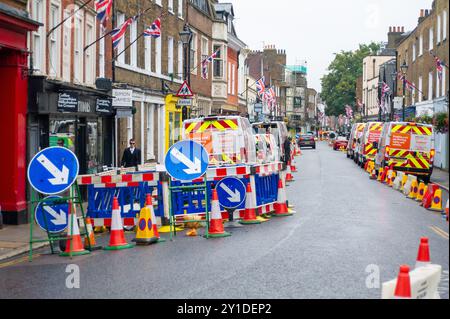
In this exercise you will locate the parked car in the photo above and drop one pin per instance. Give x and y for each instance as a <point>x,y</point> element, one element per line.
<point>407,147</point>
<point>307,140</point>
<point>341,141</point>
<point>366,149</point>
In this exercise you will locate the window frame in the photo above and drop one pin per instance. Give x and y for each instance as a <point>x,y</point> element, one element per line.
<point>55,37</point>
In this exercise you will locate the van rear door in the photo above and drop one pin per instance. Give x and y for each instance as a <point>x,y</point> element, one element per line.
<point>373,135</point>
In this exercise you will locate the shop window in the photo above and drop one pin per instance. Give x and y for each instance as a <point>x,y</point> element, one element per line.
<point>92,147</point>
<point>64,129</point>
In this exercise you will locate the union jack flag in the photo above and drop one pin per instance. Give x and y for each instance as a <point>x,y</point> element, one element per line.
<point>206,62</point>
<point>385,89</point>
<point>103,9</point>
<point>261,87</point>
<point>118,33</point>
<point>439,67</point>
<point>154,30</point>
<point>408,84</point>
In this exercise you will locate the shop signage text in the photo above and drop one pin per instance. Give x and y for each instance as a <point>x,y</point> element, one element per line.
<point>122,98</point>
<point>68,102</point>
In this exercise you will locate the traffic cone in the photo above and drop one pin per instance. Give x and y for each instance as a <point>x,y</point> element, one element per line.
<point>216,228</point>
<point>425,191</point>
<point>423,256</point>
<point>145,231</point>
<point>436,204</point>
<point>117,237</point>
<point>366,166</point>
<point>281,208</point>
<point>403,286</point>
<point>421,192</point>
<point>408,185</point>
<point>289,177</point>
<point>73,238</point>
<point>294,168</point>
<point>90,243</point>
<point>149,204</point>
<point>414,190</point>
<point>250,210</point>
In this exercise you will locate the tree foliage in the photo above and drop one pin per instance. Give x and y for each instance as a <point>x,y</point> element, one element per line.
<point>339,85</point>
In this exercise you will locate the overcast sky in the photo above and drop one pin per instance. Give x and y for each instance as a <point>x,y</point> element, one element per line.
<point>313,30</point>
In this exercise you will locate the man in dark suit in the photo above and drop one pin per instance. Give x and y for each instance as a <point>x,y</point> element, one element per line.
<point>131,156</point>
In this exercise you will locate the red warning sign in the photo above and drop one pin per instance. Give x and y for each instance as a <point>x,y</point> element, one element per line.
<point>185,90</point>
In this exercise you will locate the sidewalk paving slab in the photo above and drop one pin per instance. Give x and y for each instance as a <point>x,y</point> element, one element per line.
<point>14,240</point>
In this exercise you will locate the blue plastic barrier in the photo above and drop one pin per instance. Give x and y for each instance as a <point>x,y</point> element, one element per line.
<point>266,189</point>
<point>100,200</point>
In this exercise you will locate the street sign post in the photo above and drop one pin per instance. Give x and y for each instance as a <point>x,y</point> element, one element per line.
<point>53,170</point>
<point>187,160</point>
<point>52,216</point>
<point>232,192</point>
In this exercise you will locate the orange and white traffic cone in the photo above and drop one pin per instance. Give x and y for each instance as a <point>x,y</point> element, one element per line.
<point>117,238</point>
<point>281,207</point>
<point>74,244</point>
<point>216,228</point>
<point>403,286</point>
<point>89,241</point>
<point>423,256</point>
<point>289,177</point>
<point>250,209</point>
<point>293,168</point>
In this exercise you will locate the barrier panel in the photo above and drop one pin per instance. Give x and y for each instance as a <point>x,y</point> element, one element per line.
<point>130,189</point>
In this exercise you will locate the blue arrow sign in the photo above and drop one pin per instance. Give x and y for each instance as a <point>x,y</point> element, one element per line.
<point>53,170</point>
<point>187,160</point>
<point>52,217</point>
<point>231,192</point>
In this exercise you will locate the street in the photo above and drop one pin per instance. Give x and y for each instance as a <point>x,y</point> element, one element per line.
<point>345,226</point>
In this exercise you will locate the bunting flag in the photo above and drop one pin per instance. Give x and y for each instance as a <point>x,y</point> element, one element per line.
<point>349,111</point>
<point>154,30</point>
<point>118,33</point>
<point>439,67</point>
<point>261,87</point>
<point>408,84</point>
<point>103,9</point>
<point>206,62</point>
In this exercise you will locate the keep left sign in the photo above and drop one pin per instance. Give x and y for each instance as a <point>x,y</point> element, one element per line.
<point>53,170</point>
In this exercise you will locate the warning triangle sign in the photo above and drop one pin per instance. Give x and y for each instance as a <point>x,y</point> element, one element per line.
<point>185,90</point>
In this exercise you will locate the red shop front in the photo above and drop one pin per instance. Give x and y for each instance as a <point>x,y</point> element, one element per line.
<point>14,27</point>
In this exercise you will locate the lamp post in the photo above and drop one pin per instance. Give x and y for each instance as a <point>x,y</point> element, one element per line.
<point>404,68</point>
<point>186,37</point>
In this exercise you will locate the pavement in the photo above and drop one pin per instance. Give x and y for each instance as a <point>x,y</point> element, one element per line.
<point>441,178</point>
<point>346,225</point>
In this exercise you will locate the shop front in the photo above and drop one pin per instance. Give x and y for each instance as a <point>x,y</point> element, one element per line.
<point>14,69</point>
<point>174,120</point>
<point>81,117</point>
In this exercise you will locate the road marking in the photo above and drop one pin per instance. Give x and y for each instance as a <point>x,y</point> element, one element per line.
<point>439,231</point>
<point>17,261</point>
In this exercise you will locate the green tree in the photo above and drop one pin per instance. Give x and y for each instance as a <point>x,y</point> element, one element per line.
<point>339,85</point>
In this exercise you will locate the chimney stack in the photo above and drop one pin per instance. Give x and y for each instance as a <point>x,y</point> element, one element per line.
<point>422,13</point>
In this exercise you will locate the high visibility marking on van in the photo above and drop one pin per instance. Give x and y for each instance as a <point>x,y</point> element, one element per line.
<point>421,130</point>
<point>221,125</point>
<point>401,129</point>
<point>376,127</point>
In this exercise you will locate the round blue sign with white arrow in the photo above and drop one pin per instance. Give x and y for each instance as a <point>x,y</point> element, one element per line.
<point>187,160</point>
<point>231,192</point>
<point>53,170</point>
<point>52,217</point>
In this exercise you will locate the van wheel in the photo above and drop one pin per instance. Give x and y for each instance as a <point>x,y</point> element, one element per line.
<point>426,179</point>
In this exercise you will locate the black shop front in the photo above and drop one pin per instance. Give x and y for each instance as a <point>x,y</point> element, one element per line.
<point>82,117</point>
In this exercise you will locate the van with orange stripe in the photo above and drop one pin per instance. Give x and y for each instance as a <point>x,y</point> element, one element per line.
<point>370,136</point>
<point>407,147</point>
<point>228,139</point>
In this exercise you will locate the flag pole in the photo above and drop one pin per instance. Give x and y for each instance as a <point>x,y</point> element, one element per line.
<point>69,17</point>
<point>91,44</point>
<point>129,45</point>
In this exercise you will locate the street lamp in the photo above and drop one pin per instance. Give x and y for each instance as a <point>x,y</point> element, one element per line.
<point>404,69</point>
<point>186,37</point>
